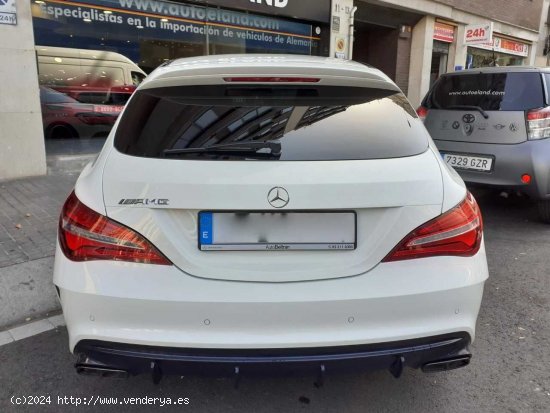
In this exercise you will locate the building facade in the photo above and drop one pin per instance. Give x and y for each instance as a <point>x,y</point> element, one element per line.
<point>415,42</point>
<point>543,51</point>
<point>70,65</point>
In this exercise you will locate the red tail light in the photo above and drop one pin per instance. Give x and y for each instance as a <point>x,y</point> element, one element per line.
<point>85,235</point>
<point>263,79</point>
<point>538,123</point>
<point>422,112</point>
<point>456,232</point>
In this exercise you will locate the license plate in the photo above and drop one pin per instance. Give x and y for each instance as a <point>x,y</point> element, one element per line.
<point>108,109</point>
<point>476,163</point>
<point>276,231</point>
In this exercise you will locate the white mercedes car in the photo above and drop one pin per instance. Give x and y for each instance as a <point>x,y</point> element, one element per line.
<point>259,213</point>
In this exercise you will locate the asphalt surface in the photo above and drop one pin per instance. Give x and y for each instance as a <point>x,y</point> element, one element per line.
<point>510,370</point>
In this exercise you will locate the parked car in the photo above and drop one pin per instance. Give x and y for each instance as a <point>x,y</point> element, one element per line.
<point>66,66</point>
<point>64,117</point>
<point>259,212</point>
<point>492,125</point>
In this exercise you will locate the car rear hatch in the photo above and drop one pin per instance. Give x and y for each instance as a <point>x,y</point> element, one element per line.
<point>483,107</point>
<point>303,181</point>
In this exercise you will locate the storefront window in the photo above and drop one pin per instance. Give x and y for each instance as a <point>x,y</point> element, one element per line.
<point>486,58</point>
<point>96,52</point>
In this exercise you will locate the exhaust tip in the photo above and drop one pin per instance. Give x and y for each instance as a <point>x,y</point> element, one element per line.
<point>89,367</point>
<point>89,370</point>
<point>446,365</point>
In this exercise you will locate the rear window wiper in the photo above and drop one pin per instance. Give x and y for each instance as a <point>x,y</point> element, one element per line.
<point>235,148</point>
<point>470,107</point>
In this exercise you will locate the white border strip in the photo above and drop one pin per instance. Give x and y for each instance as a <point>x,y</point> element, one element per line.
<point>31,329</point>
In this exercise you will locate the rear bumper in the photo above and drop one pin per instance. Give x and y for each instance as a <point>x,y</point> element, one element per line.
<point>431,353</point>
<point>510,163</point>
<point>161,306</point>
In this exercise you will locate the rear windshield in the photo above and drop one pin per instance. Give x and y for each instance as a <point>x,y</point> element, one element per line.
<point>489,91</point>
<point>269,123</point>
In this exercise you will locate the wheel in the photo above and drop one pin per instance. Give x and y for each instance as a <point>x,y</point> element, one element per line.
<point>544,211</point>
<point>61,131</point>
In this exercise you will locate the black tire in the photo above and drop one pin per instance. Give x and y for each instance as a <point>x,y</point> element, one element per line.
<point>61,131</point>
<point>544,211</point>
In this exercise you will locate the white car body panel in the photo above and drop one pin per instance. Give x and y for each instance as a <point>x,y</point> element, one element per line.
<point>143,304</point>
<point>254,300</point>
<point>408,193</point>
<point>212,70</point>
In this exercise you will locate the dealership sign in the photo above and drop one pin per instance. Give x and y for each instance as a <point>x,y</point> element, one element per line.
<point>478,34</point>
<point>312,10</point>
<point>506,46</point>
<point>8,14</point>
<point>169,21</point>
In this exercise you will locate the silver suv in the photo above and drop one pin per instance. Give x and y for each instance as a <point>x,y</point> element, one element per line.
<point>492,125</point>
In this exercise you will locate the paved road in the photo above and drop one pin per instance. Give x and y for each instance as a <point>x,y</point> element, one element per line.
<point>510,371</point>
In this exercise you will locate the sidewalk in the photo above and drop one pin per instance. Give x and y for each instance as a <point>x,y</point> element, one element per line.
<point>29,213</point>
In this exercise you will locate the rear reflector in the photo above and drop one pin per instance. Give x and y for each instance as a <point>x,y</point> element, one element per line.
<point>538,124</point>
<point>262,79</point>
<point>85,235</point>
<point>457,232</point>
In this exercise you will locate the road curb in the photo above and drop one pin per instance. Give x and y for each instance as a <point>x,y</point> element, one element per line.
<point>31,329</point>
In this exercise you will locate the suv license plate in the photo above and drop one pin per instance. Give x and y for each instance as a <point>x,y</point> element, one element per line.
<point>476,163</point>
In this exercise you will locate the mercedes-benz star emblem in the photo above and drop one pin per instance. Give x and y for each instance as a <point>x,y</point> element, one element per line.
<point>278,197</point>
<point>468,118</point>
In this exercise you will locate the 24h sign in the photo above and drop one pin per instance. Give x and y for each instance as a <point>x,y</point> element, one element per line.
<point>8,13</point>
<point>479,33</point>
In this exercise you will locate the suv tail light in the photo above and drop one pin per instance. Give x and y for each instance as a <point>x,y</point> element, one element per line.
<point>538,123</point>
<point>422,112</point>
<point>457,232</point>
<point>85,235</point>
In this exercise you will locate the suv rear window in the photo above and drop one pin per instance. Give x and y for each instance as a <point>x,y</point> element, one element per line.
<point>269,123</point>
<point>517,91</point>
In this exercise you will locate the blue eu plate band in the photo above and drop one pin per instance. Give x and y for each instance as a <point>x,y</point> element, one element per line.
<point>206,228</point>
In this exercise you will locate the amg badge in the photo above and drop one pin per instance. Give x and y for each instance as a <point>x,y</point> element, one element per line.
<point>157,202</point>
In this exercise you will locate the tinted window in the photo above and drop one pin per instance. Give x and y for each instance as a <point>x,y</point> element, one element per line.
<point>490,91</point>
<point>267,123</point>
<point>102,97</point>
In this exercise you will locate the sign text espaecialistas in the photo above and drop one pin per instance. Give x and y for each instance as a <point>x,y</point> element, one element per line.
<point>181,21</point>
